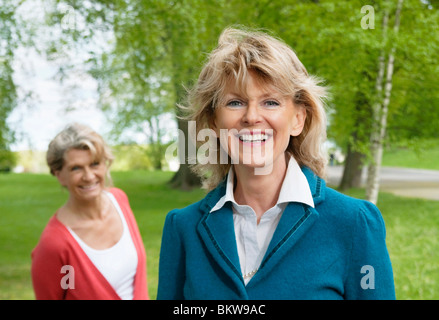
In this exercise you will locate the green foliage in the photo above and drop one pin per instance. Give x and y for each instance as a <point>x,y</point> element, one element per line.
<point>131,157</point>
<point>346,55</point>
<point>7,160</point>
<point>416,82</point>
<point>8,93</point>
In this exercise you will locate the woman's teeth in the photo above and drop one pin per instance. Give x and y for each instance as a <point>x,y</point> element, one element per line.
<point>253,137</point>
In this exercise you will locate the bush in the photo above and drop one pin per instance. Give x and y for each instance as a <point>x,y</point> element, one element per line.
<point>7,160</point>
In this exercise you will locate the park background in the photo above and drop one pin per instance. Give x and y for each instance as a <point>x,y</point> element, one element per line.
<point>122,66</point>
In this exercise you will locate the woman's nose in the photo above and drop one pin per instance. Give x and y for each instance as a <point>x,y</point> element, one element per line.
<point>252,114</point>
<point>88,174</point>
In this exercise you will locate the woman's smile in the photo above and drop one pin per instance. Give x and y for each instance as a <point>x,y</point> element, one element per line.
<point>90,187</point>
<point>253,137</point>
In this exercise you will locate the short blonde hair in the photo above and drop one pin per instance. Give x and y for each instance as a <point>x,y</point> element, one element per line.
<point>275,63</point>
<point>80,137</point>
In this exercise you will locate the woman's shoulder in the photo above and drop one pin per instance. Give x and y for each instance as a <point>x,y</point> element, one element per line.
<point>342,200</point>
<point>201,206</point>
<point>194,209</point>
<point>352,211</point>
<point>120,196</point>
<point>188,216</point>
<point>117,192</point>
<point>54,237</point>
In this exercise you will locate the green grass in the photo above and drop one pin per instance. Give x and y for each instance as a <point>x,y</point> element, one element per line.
<point>414,154</point>
<point>27,201</point>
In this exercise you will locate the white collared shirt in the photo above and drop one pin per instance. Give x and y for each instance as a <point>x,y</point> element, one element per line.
<point>252,239</point>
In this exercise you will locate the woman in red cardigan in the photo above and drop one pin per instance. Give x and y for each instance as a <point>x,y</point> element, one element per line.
<point>91,248</point>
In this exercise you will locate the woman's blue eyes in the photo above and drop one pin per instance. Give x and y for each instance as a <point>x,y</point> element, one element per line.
<point>234,103</point>
<point>267,103</point>
<point>271,103</point>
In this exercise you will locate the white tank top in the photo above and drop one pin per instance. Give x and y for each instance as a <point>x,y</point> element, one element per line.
<point>118,264</point>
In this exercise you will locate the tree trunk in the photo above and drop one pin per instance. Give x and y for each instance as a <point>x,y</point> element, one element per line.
<point>354,162</point>
<point>380,114</point>
<point>353,169</point>
<point>184,178</point>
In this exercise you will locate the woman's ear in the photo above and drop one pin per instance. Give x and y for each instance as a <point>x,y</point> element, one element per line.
<point>299,121</point>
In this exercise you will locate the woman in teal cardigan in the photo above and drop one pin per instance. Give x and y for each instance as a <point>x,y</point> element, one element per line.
<point>269,228</point>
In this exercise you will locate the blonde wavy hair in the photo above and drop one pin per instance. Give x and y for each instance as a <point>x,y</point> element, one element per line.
<point>239,51</point>
<point>80,137</point>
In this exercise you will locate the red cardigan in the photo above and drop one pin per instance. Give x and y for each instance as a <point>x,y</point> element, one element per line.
<point>58,248</point>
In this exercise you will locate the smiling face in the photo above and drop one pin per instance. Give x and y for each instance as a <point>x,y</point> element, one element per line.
<point>82,175</point>
<point>259,123</point>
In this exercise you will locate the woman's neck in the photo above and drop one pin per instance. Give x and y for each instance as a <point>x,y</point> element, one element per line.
<point>260,192</point>
<point>87,210</point>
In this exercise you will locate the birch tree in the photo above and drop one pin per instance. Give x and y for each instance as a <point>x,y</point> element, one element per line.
<point>381,107</point>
